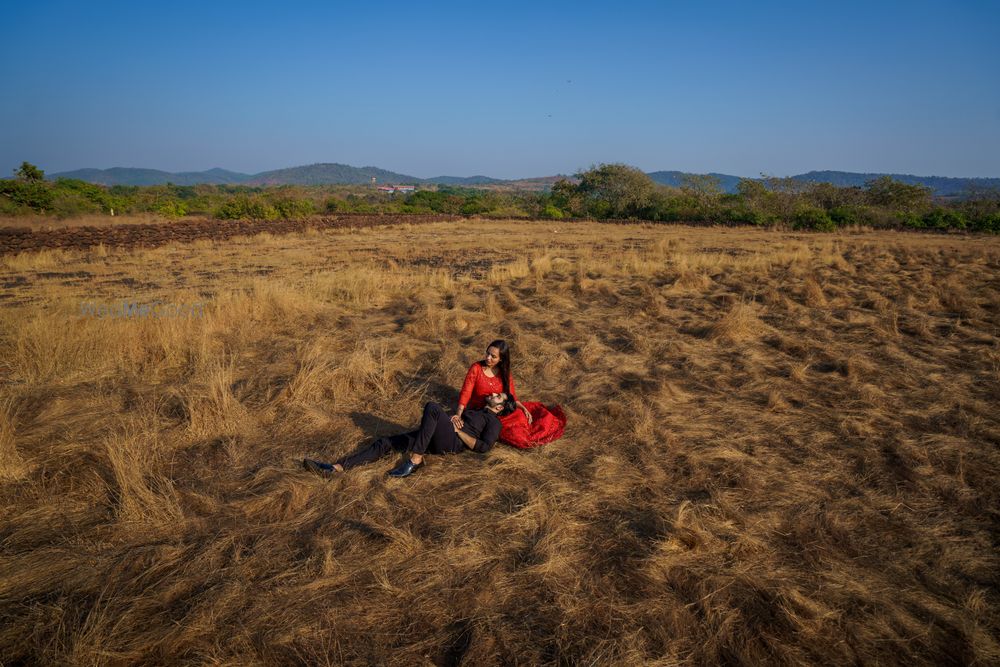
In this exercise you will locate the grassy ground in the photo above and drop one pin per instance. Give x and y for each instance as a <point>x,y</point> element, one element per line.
<point>781,449</point>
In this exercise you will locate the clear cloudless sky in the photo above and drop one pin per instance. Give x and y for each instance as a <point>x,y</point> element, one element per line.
<point>504,89</point>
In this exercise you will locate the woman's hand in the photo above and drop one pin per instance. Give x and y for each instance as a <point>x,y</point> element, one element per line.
<point>526,413</point>
<point>457,422</point>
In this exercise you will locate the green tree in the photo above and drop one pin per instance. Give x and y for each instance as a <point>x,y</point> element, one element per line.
<point>567,197</point>
<point>786,185</point>
<point>705,191</point>
<point>704,186</point>
<point>29,172</point>
<point>887,192</point>
<point>829,196</point>
<point>783,196</point>
<point>616,190</point>
<point>753,191</point>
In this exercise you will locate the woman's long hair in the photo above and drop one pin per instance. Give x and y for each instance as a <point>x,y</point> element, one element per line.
<point>504,365</point>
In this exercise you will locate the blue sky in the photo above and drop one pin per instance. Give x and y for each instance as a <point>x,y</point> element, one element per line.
<point>506,90</point>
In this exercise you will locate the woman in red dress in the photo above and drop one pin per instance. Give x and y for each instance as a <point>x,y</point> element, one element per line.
<point>531,424</point>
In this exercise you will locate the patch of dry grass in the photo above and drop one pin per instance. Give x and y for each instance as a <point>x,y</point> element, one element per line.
<point>782,449</point>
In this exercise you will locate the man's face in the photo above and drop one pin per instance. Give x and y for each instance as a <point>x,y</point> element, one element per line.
<point>495,401</point>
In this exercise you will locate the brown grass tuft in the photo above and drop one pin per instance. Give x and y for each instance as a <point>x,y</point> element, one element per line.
<point>740,324</point>
<point>814,293</point>
<point>12,465</point>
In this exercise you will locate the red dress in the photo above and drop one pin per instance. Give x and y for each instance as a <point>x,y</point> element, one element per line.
<point>547,423</point>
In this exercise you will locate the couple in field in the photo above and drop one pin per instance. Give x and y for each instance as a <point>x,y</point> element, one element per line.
<point>488,410</point>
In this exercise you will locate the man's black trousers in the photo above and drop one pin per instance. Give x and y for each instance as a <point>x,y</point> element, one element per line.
<point>436,435</point>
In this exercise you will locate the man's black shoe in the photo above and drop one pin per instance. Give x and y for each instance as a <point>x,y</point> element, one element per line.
<point>322,469</point>
<point>405,468</point>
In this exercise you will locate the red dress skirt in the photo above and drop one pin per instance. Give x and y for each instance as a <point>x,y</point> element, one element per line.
<point>547,423</point>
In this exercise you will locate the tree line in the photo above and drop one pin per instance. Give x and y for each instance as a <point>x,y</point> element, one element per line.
<point>606,191</point>
<point>620,191</point>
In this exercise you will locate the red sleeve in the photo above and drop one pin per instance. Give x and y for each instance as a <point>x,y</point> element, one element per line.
<point>468,385</point>
<point>510,385</point>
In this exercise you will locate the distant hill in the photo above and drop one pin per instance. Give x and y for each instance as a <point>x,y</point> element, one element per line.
<point>942,186</point>
<point>538,184</point>
<point>214,176</point>
<point>133,176</point>
<point>461,180</point>
<point>675,179</point>
<point>329,173</point>
<point>332,173</point>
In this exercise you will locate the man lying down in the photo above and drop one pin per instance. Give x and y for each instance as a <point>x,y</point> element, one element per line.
<point>437,434</point>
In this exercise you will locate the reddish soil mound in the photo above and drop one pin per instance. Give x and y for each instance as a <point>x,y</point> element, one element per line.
<point>20,239</point>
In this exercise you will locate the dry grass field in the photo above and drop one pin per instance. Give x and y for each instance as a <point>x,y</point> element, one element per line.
<point>781,449</point>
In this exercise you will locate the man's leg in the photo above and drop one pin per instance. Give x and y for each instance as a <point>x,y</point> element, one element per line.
<point>373,452</point>
<point>436,434</point>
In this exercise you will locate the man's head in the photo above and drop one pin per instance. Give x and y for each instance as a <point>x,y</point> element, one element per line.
<point>500,404</point>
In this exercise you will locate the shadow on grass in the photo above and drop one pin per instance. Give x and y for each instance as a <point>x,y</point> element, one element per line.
<point>374,427</point>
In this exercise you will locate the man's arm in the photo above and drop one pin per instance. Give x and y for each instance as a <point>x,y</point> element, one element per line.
<point>489,435</point>
<point>486,439</point>
<point>466,439</point>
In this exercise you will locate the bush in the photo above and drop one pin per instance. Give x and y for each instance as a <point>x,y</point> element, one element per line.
<point>507,212</point>
<point>845,215</point>
<point>34,195</point>
<point>552,213</point>
<point>7,207</point>
<point>335,205</point>
<point>986,223</point>
<point>677,206</point>
<point>96,194</point>
<point>600,209</point>
<point>65,197</point>
<point>171,209</point>
<point>475,206</point>
<point>356,204</point>
<point>943,218</point>
<point>427,201</point>
<point>911,220</point>
<point>246,207</point>
<point>67,204</point>
<point>813,218</point>
<point>294,209</point>
<point>743,216</point>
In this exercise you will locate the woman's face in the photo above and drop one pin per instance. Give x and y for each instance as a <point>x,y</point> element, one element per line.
<point>492,357</point>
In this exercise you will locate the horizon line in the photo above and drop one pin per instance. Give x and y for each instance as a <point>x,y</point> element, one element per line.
<point>761,174</point>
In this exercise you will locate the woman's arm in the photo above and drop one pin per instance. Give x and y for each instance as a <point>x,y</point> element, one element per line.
<point>465,394</point>
<point>470,383</point>
<point>510,386</point>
